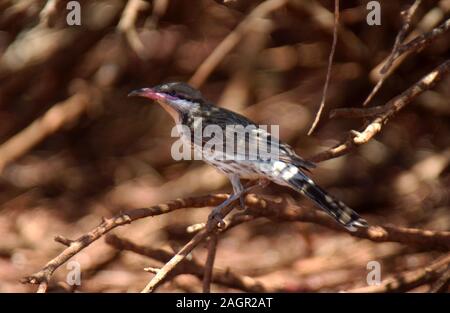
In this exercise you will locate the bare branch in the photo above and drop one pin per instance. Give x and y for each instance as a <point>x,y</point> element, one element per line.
<point>127,25</point>
<point>43,276</point>
<point>191,266</point>
<point>54,119</point>
<point>391,108</point>
<point>409,280</point>
<point>258,207</point>
<point>48,13</point>
<point>228,44</point>
<point>330,63</point>
<point>400,48</point>
<point>283,211</point>
<point>441,285</point>
<point>209,265</point>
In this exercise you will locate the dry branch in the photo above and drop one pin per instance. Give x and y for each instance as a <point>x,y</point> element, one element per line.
<point>209,265</point>
<point>358,112</point>
<point>43,276</point>
<point>330,63</point>
<point>409,280</point>
<point>211,227</point>
<point>283,211</point>
<point>189,266</point>
<point>61,114</point>
<point>228,44</point>
<point>257,206</point>
<point>406,16</point>
<point>390,109</point>
<point>441,285</point>
<point>404,49</point>
<point>48,13</point>
<point>127,26</point>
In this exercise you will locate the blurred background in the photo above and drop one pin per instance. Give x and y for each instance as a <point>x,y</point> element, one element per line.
<point>74,148</point>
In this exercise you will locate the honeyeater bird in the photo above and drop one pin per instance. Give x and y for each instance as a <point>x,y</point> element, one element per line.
<point>282,166</point>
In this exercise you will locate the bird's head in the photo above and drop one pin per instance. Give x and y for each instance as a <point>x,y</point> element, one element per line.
<point>176,98</point>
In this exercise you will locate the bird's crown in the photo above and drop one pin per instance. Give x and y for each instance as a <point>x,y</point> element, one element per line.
<point>180,90</point>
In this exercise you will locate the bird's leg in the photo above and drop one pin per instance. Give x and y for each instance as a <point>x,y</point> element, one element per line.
<point>238,193</point>
<point>238,189</point>
<point>216,213</point>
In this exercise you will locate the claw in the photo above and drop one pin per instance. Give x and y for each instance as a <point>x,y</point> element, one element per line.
<point>216,216</point>
<point>217,219</point>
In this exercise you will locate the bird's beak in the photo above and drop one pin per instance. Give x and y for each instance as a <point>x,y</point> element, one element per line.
<point>147,93</point>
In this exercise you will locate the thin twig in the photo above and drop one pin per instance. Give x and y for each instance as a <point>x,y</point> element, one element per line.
<point>211,226</point>
<point>258,207</point>
<point>228,44</point>
<point>191,266</point>
<point>283,211</point>
<point>159,9</point>
<point>174,261</point>
<point>392,107</point>
<point>127,26</point>
<point>403,49</point>
<point>330,64</point>
<point>425,39</point>
<point>407,17</point>
<point>209,265</point>
<point>358,112</point>
<point>43,276</point>
<point>408,280</point>
<point>58,116</point>
<point>48,13</point>
<point>441,285</point>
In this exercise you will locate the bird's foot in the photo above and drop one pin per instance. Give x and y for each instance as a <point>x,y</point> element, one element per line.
<point>216,217</point>
<point>262,183</point>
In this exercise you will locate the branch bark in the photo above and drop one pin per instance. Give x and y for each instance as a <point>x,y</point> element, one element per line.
<point>390,109</point>
<point>257,207</point>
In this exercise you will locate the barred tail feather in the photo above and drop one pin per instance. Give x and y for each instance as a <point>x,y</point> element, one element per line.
<point>336,209</point>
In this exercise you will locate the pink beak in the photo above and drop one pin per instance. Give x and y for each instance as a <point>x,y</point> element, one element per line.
<point>147,93</point>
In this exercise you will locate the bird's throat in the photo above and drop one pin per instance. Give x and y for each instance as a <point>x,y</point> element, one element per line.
<point>172,111</point>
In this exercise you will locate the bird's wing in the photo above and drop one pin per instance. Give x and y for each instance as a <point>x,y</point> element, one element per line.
<point>242,139</point>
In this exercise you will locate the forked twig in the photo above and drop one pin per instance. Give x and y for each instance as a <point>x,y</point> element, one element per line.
<point>191,266</point>
<point>401,48</point>
<point>390,109</point>
<point>211,227</point>
<point>257,207</point>
<point>43,276</point>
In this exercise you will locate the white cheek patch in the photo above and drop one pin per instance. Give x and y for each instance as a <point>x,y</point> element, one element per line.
<point>173,107</point>
<point>183,104</point>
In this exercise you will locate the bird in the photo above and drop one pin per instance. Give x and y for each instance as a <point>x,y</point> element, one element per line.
<point>189,109</point>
